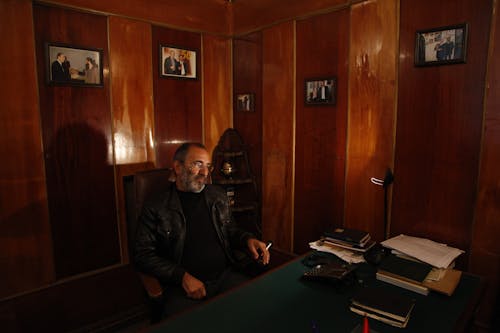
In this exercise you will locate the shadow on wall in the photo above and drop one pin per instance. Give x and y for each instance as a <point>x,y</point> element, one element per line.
<point>81,194</point>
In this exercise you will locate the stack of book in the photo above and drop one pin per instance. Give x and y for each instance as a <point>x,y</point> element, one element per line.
<point>420,265</point>
<point>417,276</point>
<point>391,308</point>
<point>404,273</point>
<point>351,239</point>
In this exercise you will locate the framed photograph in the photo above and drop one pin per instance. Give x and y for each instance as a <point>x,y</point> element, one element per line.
<point>71,65</point>
<point>177,62</point>
<point>320,91</point>
<point>441,46</point>
<point>245,102</point>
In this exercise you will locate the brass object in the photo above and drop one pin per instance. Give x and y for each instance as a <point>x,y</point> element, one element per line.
<point>228,169</point>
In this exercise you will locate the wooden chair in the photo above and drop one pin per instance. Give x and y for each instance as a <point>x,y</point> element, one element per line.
<point>138,188</point>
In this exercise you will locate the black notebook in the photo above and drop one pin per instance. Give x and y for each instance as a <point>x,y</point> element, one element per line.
<point>386,306</point>
<point>406,268</point>
<point>352,236</point>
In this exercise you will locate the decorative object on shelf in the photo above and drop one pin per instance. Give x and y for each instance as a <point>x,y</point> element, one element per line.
<point>441,46</point>
<point>228,169</point>
<point>230,158</point>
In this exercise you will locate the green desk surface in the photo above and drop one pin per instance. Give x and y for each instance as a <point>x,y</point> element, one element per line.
<point>280,301</point>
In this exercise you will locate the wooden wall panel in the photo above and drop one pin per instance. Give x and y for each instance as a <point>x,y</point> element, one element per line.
<point>440,111</point>
<point>485,250</point>
<point>178,102</point>
<point>25,241</point>
<point>78,305</point>
<point>217,89</point>
<point>372,111</point>
<point>132,90</point>
<point>247,67</point>
<point>321,130</point>
<point>76,126</point>
<point>278,134</point>
<point>212,16</point>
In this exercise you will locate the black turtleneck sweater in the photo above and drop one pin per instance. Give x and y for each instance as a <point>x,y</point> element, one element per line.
<point>203,255</point>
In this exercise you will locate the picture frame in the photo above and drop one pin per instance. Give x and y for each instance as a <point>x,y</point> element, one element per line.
<point>245,102</point>
<point>441,46</point>
<point>74,65</point>
<point>320,91</point>
<point>177,62</point>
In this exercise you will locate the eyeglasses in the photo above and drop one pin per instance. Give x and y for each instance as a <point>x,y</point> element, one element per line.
<point>196,166</point>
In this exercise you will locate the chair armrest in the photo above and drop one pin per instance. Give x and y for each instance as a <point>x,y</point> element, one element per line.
<point>152,285</point>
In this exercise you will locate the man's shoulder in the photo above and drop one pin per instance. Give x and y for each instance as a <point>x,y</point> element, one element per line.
<point>213,188</point>
<point>161,196</point>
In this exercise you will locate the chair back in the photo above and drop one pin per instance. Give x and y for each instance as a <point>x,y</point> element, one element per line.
<point>138,189</point>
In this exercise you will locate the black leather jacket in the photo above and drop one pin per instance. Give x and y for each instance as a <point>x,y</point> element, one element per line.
<point>161,232</point>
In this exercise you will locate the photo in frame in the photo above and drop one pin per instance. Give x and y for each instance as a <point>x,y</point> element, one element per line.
<point>177,62</point>
<point>72,65</point>
<point>320,91</point>
<point>245,102</point>
<point>441,46</point>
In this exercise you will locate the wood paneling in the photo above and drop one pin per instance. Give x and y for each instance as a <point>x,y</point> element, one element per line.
<point>210,16</point>
<point>278,134</point>
<point>25,241</point>
<point>372,111</point>
<point>485,250</point>
<point>178,103</point>
<point>217,92</point>
<point>76,127</point>
<point>132,90</point>
<point>321,130</point>
<point>247,67</point>
<point>92,304</point>
<point>440,111</point>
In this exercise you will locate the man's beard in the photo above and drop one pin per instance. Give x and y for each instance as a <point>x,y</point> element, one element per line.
<point>193,183</point>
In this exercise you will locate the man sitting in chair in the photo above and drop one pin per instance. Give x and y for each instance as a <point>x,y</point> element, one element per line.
<point>186,236</point>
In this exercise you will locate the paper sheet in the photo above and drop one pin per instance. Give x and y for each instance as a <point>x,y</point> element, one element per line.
<point>435,254</point>
<point>348,256</point>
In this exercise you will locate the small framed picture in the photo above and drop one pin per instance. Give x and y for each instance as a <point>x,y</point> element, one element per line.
<point>71,65</point>
<point>320,91</point>
<point>441,46</point>
<point>245,102</point>
<point>177,62</point>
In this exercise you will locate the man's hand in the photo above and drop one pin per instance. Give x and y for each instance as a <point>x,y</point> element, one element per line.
<point>194,288</point>
<point>255,246</point>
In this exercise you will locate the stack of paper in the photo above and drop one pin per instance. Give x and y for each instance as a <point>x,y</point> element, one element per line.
<point>347,255</point>
<point>435,254</point>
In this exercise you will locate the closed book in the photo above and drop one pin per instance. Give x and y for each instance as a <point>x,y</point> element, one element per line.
<point>353,236</point>
<point>402,283</point>
<point>351,247</point>
<point>409,269</point>
<point>379,317</point>
<point>383,303</point>
<point>351,244</point>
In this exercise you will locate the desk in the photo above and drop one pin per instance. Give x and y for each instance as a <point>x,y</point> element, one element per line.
<point>279,301</point>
